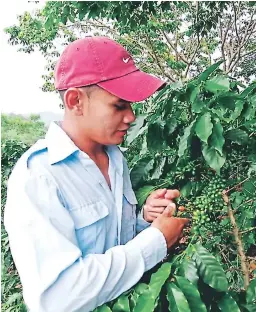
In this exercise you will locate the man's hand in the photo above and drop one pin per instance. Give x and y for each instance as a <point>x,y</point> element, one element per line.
<point>170,227</point>
<point>157,202</point>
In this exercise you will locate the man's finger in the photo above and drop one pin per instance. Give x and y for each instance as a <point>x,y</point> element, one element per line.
<point>172,208</point>
<point>154,215</point>
<point>171,194</point>
<point>167,212</point>
<point>159,193</point>
<point>154,209</point>
<point>159,202</point>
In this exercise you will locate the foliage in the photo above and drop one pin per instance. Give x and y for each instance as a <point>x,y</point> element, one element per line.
<point>18,134</point>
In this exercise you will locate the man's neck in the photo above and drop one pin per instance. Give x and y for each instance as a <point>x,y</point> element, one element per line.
<point>91,148</point>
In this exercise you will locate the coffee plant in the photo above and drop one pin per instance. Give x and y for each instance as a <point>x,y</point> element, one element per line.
<point>198,137</point>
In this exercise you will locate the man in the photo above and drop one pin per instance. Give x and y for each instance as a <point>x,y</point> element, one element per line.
<point>71,211</point>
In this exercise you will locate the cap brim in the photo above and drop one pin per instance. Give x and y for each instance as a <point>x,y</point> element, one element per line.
<point>134,87</point>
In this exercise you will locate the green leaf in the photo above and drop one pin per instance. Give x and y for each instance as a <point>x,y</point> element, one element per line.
<point>217,139</point>
<point>147,300</point>
<point>13,297</point>
<point>189,270</point>
<point>238,110</point>
<point>171,125</point>
<point>228,304</point>
<point>122,304</point>
<point>140,170</point>
<point>249,307</point>
<point>186,189</point>
<point>250,186</point>
<point>48,22</point>
<point>102,308</point>
<point>228,100</point>
<point>158,168</point>
<point>251,292</point>
<point>238,136</point>
<point>192,294</point>
<point>194,94</point>
<point>248,90</point>
<point>176,298</point>
<point>184,140</point>
<point>205,74</point>
<point>209,269</point>
<point>213,158</point>
<point>204,127</point>
<point>136,129</point>
<point>140,288</point>
<point>155,137</point>
<point>143,193</point>
<point>217,83</point>
<point>197,105</point>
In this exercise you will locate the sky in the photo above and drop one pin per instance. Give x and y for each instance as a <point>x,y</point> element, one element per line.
<point>21,72</point>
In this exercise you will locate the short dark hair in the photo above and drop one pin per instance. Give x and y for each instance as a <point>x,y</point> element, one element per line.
<point>88,89</point>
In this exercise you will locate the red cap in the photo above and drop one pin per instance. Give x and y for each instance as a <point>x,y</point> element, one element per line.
<point>102,61</point>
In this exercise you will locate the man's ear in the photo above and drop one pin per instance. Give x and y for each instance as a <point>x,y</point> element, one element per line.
<point>74,98</point>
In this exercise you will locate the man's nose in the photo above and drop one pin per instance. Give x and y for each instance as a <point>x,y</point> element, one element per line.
<point>129,116</point>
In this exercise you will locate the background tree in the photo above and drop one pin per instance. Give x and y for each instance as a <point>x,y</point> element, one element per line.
<point>175,40</point>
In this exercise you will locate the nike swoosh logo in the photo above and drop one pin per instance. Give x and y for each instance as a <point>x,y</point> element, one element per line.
<point>126,60</point>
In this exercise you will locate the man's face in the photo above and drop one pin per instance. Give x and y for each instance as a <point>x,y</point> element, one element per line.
<point>106,118</point>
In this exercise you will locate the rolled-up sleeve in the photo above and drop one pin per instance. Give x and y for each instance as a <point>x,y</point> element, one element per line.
<point>54,274</point>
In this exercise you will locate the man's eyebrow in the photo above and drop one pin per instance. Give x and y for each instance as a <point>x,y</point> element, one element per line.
<point>123,102</point>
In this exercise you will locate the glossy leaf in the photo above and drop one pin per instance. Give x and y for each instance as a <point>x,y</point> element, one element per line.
<point>213,158</point>
<point>183,145</point>
<point>237,111</point>
<point>189,271</point>
<point>194,94</point>
<point>122,304</point>
<point>158,168</point>
<point>176,298</point>
<point>136,129</point>
<point>140,170</point>
<point>237,135</point>
<point>251,292</point>
<point>171,125</point>
<point>248,90</point>
<point>103,308</point>
<point>209,269</point>
<point>204,127</point>
<point>147,301</point>
<point>191,293</point>
<point>228,304</point>
<point>140,288</point>
<point>249,307</point>
<point>217,139</point>
<point>205,74</point>
<point>197,105</point>
<point>217,83</point>
<point>155,136</point>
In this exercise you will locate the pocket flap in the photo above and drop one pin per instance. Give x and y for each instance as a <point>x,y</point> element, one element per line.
<point>88,214</point>
<point>130,196</point>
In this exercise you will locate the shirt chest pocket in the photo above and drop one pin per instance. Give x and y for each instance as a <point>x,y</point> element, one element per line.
<point>128,216</point>
<point>90,226</point>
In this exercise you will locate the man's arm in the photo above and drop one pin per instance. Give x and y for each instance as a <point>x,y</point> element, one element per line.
<point>54,274</point>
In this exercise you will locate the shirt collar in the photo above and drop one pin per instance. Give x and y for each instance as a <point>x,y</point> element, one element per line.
<point>60,146</point>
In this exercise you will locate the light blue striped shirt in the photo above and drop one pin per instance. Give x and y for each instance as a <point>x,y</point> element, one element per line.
<point>76,243</point>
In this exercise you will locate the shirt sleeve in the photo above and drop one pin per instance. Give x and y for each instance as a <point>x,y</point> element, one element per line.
<point>141,223</point>
<point>54,274</point>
